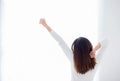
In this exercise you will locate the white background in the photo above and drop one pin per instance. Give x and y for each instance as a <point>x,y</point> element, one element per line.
<point>29,52</point>
<point>109,26</point>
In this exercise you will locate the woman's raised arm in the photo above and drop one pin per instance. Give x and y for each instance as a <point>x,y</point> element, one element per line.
<point>58,38</point>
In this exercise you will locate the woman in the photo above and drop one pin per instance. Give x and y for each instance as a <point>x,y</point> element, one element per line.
<point>83,58</point>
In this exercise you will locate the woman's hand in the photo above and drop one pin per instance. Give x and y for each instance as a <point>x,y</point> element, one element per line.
<point>43,22</point>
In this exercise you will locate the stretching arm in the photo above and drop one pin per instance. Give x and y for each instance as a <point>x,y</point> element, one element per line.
<point>97,47</point>
<point>61,42</point>
<point>103,46</point>
<point>93,52</point>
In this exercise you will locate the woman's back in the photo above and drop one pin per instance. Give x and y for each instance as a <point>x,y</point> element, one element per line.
<point>88,76</point>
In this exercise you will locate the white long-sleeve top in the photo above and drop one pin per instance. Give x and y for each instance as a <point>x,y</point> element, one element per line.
<point>89,76</point>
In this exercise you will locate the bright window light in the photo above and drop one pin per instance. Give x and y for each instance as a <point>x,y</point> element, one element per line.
<point>29,52</point>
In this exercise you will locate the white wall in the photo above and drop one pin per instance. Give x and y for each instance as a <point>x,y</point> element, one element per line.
<point>30,53</point>
<point>109,25</point>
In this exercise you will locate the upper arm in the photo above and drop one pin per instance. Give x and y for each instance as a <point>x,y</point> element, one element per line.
<point>63,45</point>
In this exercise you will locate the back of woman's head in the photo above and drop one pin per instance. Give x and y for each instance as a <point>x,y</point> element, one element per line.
<point>81,48</point>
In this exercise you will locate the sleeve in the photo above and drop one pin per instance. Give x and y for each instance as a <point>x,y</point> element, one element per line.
<point>101,52</point>
<point>62,44</point>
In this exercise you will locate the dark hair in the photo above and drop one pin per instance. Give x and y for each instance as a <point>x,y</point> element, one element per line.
<point>81,48</point>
